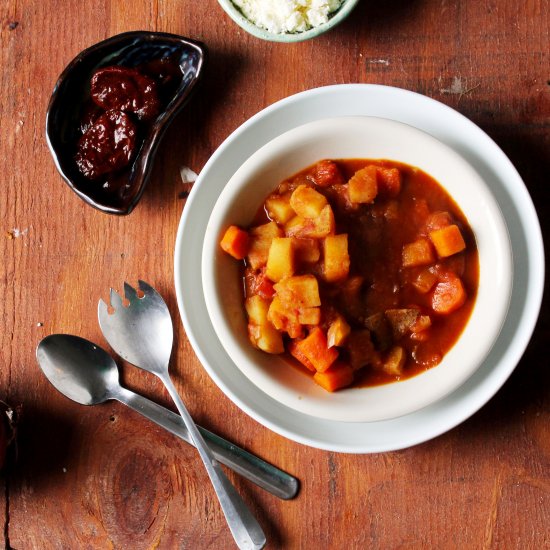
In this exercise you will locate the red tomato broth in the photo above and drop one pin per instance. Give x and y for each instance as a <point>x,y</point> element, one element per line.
<point>377,233</point>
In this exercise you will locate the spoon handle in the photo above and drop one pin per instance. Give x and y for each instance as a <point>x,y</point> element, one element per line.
<point>243,525</point>
<point>251,467</point>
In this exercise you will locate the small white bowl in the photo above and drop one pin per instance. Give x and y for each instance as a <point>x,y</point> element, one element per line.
<point>250,27</point>
<point>356,137</point>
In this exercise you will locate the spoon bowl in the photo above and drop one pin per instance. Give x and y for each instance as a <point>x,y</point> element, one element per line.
<point>78,368</point>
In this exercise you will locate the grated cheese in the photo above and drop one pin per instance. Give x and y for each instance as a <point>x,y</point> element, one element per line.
<point>287,16</point>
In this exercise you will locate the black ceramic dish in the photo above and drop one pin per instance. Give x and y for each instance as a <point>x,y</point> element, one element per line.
<point>71,98</point>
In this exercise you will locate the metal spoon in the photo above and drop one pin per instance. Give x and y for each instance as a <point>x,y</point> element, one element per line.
<point>85,373</point>
<point>142,334</point>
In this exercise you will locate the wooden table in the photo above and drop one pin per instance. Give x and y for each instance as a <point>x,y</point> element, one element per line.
<point>102,477</point>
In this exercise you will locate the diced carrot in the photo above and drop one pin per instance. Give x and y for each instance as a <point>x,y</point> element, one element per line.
<point>447,241</point>
<point>315,348</point>
<point>235,242</point>
<point>389,181</point>
<point>417,253</point>
<point>448,295</point>
<point>335,378</point>
<point>296,352</point>
<point>327,173</point>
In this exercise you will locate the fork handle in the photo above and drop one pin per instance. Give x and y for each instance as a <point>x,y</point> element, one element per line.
<point>251,467</point>
<point>244,527</point>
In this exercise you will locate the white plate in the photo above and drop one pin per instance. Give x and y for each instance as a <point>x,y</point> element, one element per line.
<point>491,164</point>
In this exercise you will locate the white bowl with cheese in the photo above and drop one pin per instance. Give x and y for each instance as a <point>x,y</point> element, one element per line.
<point>288,20</point>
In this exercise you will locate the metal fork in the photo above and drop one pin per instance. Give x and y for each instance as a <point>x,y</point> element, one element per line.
<point>142,334</point>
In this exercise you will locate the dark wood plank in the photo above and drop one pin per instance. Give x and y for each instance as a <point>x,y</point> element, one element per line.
<point>103,477</point>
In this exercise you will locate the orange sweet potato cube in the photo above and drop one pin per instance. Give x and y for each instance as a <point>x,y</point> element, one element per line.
<point>418,253</point>
<point>363,185</point>
<point>395,361</point>
<point>278,208</point>
<point>315,348</point>
<point>447,241</point>
<point>300,291</point>
<point>337,377</point>
<point>307,202</point>
<point>280,259</point>
<point>335,257</point>
<point>294,350</point>
<point>235,242</point>
<point>337,332</point>
<point>260,242</point>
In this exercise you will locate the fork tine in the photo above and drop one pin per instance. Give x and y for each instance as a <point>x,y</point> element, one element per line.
<point>116,300</point>
<point>102,308</point>
<point>130,292</point>
<point>146,288</point>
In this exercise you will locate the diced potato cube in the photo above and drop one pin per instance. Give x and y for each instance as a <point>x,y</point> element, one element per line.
<point>266,337</point>
<point>418,253</point>
<point>284,318</point>
<point>402,320</point>
<point>337,377</point>
<point>337,332</point>
<point>300,291</point>
<point>447,241</point>
<point>295,226</point>
<point>306,202</point>
<point>448,295</point>
<point>315,228</point>
<point>363,185</point>
<point>389,181</point>
<point>307,250</point>
<point>335,258</point>
<point>425,281</point>
<point>256,309</point>
<point>395,361</point>
<point>280,259</point>
<point>260,242</point>
<point>235,242</point>
<point>278,208</point>
<point>295,351</point>
<point>309,316</point>
<point>315,348</point>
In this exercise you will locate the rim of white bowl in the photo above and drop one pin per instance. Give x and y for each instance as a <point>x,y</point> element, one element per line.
<point>295,389</point>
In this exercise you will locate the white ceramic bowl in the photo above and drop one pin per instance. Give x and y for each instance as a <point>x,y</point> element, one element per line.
<point>356,137</point>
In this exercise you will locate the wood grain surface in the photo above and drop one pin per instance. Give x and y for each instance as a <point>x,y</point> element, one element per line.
<point>102,477</point>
